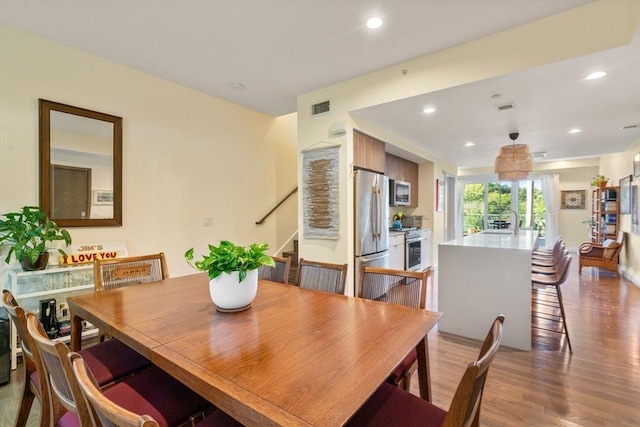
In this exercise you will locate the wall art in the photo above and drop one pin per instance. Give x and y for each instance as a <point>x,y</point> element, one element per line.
<point>320,193</point>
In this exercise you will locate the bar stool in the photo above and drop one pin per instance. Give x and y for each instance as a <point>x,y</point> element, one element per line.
<point>543,297</point>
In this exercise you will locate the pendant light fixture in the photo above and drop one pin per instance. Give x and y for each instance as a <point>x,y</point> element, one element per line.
<point>514,161</point>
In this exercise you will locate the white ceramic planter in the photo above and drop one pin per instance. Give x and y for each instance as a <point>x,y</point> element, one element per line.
<point>229,295</point>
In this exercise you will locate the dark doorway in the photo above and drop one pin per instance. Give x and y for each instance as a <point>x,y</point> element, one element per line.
<point>71,191</point>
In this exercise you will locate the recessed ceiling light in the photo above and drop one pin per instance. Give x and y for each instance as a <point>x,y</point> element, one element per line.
<point>575,131</point>
<point>596,75</point>
<point>429,110</point>
<point>469,144</point>
<point>374,23</point>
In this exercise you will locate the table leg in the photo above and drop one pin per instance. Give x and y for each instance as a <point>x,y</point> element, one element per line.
<point>76,332</point>
<point>424,374</point>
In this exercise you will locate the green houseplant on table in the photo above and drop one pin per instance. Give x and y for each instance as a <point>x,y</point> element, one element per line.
<point>233,273</point>
<point>28,233</point>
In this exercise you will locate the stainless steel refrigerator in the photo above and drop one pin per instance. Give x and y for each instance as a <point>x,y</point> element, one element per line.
<point>371,222</point>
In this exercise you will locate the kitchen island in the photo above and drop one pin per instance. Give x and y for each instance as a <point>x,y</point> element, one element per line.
<point>483,275</point>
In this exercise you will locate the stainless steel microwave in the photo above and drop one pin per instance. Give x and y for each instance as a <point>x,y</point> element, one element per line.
<point>399,193</point>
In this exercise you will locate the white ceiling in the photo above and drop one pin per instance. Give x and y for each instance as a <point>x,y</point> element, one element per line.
<point>279,49</point>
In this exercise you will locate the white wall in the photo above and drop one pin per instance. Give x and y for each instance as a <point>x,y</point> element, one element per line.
<point>186,156</point>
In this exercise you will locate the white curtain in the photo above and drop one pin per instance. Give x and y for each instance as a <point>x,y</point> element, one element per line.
<point>551,198</point>
<point>459,212</point>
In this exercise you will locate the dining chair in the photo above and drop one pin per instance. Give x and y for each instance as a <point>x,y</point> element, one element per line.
<point>391,406</point>
<point>110,361</point>
<point>279,272</point>
<point>35,383</point>
<point>408,288</point>
<point>121,272</point>
<point>322,276</point>
<point>546,299</point>
<point>121,406</point>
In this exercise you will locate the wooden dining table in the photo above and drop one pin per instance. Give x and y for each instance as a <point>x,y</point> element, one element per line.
<point>295,357</point>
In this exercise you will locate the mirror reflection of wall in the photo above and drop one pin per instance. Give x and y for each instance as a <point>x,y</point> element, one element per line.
<point>83,143</point>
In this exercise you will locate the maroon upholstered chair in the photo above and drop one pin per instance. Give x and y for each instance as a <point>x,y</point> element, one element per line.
<point>148,388</point>
<point>111,362</point>
<point>34,372</point>
<point>146,400</point>
<point>400,287</point>
<point>391,406</point>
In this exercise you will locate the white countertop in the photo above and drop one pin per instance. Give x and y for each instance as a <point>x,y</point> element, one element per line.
<point>498,239</point>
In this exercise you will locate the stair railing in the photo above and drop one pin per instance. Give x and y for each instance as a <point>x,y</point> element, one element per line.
<point>262,220</point>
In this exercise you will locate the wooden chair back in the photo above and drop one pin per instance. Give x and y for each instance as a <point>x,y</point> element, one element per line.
<point>400,287</point>
<point>64,387</point>
<point>322,276</point>
<point>465,406</point>
<point>121,272</point>
<point>106,412</point>
<point>31,361</point>
<point>278,273</point>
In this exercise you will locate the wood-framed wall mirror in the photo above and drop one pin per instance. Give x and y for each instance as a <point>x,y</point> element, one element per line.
<point>80,166</point>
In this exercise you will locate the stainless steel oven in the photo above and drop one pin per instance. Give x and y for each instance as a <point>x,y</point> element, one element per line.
<point>413,251</point>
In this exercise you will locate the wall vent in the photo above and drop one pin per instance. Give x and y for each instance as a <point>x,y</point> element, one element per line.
<point>320,108</point>
<point>506,107</point>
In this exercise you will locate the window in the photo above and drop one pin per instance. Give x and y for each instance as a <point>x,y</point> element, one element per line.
<point>492,205</point>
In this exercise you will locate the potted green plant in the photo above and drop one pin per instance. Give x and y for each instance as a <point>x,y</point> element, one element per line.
<point>28,233</point>
<point>599,181</point>
<point>233,272</point>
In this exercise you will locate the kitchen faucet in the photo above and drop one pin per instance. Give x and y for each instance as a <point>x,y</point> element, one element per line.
<point>515,227</point>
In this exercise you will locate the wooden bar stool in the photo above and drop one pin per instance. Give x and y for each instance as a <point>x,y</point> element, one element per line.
<point>545,302</point>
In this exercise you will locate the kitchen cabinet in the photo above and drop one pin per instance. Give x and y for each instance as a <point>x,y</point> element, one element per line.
<point>396,251</point>
<point>29,287</point>
<point>605,214</point>
<point>425,248</point>
<point>368,152</point>
<point>403,170</point>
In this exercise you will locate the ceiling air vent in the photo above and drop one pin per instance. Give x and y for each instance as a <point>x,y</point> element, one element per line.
<point>539,155</point>
<point>506,107</point>
<point>320,108</point>
<point>628,127</point>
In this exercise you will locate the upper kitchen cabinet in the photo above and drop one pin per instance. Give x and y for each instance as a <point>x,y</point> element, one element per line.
<point>403,170</point>
<point>368,152</point>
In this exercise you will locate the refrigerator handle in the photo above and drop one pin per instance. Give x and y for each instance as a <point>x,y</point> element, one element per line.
<point>374,211</point>
<point>379,211</point>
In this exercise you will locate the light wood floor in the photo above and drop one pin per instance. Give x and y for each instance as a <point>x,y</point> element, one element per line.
<point>598,385</point>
